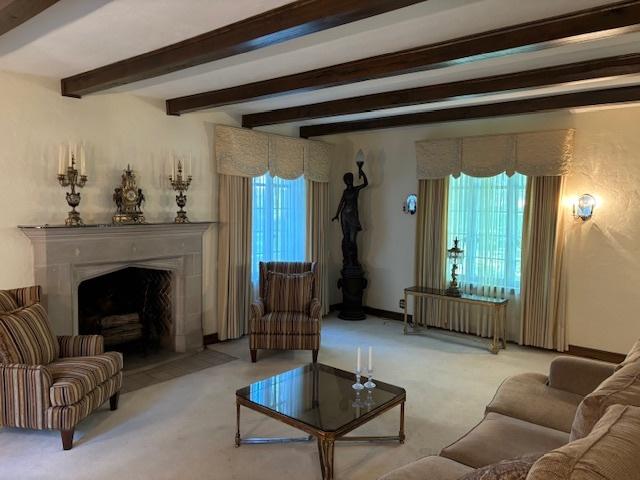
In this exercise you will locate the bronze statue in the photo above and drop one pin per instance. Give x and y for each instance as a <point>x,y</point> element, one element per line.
<point>349,218</point>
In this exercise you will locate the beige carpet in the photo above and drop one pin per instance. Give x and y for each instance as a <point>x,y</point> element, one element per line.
<point>184,428</point>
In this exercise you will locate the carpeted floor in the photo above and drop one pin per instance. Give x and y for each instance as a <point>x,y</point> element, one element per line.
<point>184,428</point>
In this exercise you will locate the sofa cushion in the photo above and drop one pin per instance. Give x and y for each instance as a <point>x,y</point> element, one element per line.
<point>632,357</point>
<point>75,377</point>
<point>552,407</point>
<point>285,323</point>
<point>499,437</point>
<point>431,468</point>
<point>8,302</point>
<point>623,387</point>
<point>609,452</point>
<point>513,469</point>
<point>26,337</point>
<point>289,292</point>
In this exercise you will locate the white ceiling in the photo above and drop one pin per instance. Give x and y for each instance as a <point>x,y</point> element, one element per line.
<point>77,35</point>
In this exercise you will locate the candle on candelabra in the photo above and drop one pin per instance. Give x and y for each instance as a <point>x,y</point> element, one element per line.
<point>370,359</point>
<point>358,360</point>
<point>83,166</point>
<point>61,159</point>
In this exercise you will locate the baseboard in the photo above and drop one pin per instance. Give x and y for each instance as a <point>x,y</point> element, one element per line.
<point>377,312</point>
<point>211,339</point>
<point>595,354</point>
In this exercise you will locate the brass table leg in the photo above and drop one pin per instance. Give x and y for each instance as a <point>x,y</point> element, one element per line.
<point>405,313</point>
<point>237,424</point>
<point>504,326</point>
<point>495,348</point>
<point>401,434</point>
<point>325,450</point>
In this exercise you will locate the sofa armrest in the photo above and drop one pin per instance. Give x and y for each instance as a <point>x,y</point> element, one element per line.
<point>315,309</point>
<point>257,309</point>
<point>24,391</point>
<point>81,345</point>
<point>578,375</point>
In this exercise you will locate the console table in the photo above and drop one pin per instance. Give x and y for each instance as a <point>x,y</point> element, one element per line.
<point>497,305</point>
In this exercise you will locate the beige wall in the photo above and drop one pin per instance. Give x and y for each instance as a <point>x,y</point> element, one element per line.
<point>117,129</point>
<point>603,254</point>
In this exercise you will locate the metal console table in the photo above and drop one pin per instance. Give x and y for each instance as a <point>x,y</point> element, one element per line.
<point>498,306</point>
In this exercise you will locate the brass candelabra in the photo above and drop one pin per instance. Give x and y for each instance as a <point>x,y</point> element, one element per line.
<point>180,183</point>
<point>454,254</point>
<point>74,179</point>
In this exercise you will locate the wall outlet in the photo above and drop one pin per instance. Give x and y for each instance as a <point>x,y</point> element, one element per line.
<point>401,303</point>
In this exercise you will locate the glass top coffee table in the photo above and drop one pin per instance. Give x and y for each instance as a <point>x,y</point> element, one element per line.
<point>318,399</point>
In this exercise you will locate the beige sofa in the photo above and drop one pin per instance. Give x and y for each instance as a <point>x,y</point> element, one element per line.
<point>551,423</point>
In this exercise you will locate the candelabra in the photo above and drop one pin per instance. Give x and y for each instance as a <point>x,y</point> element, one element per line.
<point>73,178</point>
<point>180,184</point>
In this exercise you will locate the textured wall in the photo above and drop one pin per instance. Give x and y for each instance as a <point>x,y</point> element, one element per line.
<point>117,129</point>
<point>603,254</point>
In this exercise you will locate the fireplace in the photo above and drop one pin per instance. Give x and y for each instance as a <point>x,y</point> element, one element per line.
<point>73,265</point>
<point>131,308</point>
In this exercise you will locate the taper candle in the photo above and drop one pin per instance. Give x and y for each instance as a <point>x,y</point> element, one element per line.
<point>370,358</point>
<point>61,159</point>
<point>358,361</point>
<point>83,166</point>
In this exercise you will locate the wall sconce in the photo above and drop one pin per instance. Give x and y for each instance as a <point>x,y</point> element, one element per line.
<point>584,206</point>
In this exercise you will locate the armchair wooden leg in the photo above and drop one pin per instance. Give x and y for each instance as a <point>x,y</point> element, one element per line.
<point>113,401</point>
<point>67,438</point>
<point>254,356</point>
<point>315,356</point>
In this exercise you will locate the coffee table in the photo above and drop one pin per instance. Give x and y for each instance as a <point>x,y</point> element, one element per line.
<point>318,399</point>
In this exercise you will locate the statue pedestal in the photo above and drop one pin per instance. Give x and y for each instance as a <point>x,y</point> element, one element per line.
<point>352,283</point>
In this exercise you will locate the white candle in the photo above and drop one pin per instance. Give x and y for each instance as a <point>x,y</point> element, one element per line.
<point>70,154</point>
<point>83,170</point>
<point>370,358</point>
<point>358,361</point>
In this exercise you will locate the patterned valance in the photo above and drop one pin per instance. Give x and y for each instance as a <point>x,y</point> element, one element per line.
<point>546,153</point>
<point>247,153</point>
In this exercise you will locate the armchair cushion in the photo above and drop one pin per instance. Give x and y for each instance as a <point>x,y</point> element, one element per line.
<point>74,378</point>
<point>26,337</point>
<point>8,301</point>
<point>285,323</point>
<point>80,345</point>
<point>289,292</point>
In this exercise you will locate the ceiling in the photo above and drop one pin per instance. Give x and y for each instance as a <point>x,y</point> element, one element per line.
<point>74,36</point>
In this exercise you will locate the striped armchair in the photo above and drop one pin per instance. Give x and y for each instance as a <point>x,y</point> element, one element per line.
<point>48,382</point>
<point>287,315</point>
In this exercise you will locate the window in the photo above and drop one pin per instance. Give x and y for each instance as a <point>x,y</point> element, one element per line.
<point>486,215</point>
<point>278,221</point>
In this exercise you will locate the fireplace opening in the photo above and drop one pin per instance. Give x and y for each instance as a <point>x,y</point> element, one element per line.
<point>131,308</point>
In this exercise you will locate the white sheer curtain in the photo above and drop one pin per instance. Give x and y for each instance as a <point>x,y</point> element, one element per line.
<point>486,215</point>
<point>278,222</point>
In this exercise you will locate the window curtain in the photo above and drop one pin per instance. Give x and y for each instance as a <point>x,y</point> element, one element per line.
<point>543,280</point>
<point>278,222</point>
<point>486,215</point>
<point>431,238</point>
<point>317,228</point>
<point>234,255</point>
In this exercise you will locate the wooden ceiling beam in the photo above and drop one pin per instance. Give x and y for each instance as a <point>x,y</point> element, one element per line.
<point>513,107</point>
<point>287,22</point>
<point>16,12</point>
<point>578,26</point>
<point>540,77</point>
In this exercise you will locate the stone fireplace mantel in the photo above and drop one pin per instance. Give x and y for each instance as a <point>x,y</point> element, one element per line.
<point>66,256</point>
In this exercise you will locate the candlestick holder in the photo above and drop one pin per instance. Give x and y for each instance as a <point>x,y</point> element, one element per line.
<point>358,385</point>
<point>72,178</point>
<point>369,383</point>
<point>180,184</point>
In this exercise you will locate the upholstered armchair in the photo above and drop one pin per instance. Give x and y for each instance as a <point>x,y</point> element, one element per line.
<point>287,315</point>
<point>49,382</point>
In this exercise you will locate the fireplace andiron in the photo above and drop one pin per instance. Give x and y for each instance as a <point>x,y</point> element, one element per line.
<point>128,199</point>
<point>73,178</point>
<point>180,184</point>
<point>352,281</point>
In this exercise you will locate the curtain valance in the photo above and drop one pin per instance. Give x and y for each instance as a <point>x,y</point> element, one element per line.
<point>247,153</point>
<point>547,153</point>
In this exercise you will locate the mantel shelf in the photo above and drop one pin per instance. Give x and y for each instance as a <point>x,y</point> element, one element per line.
<point>46,231</point>
<point>113,225</point>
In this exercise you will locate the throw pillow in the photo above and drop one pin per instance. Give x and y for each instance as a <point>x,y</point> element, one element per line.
<point>515,469</point>
<point>632,357</point>
<point>289,292</point>
<point>609,452</point>
<point>623,387</point>
<point>7,301</point>
<point>26,337</point>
